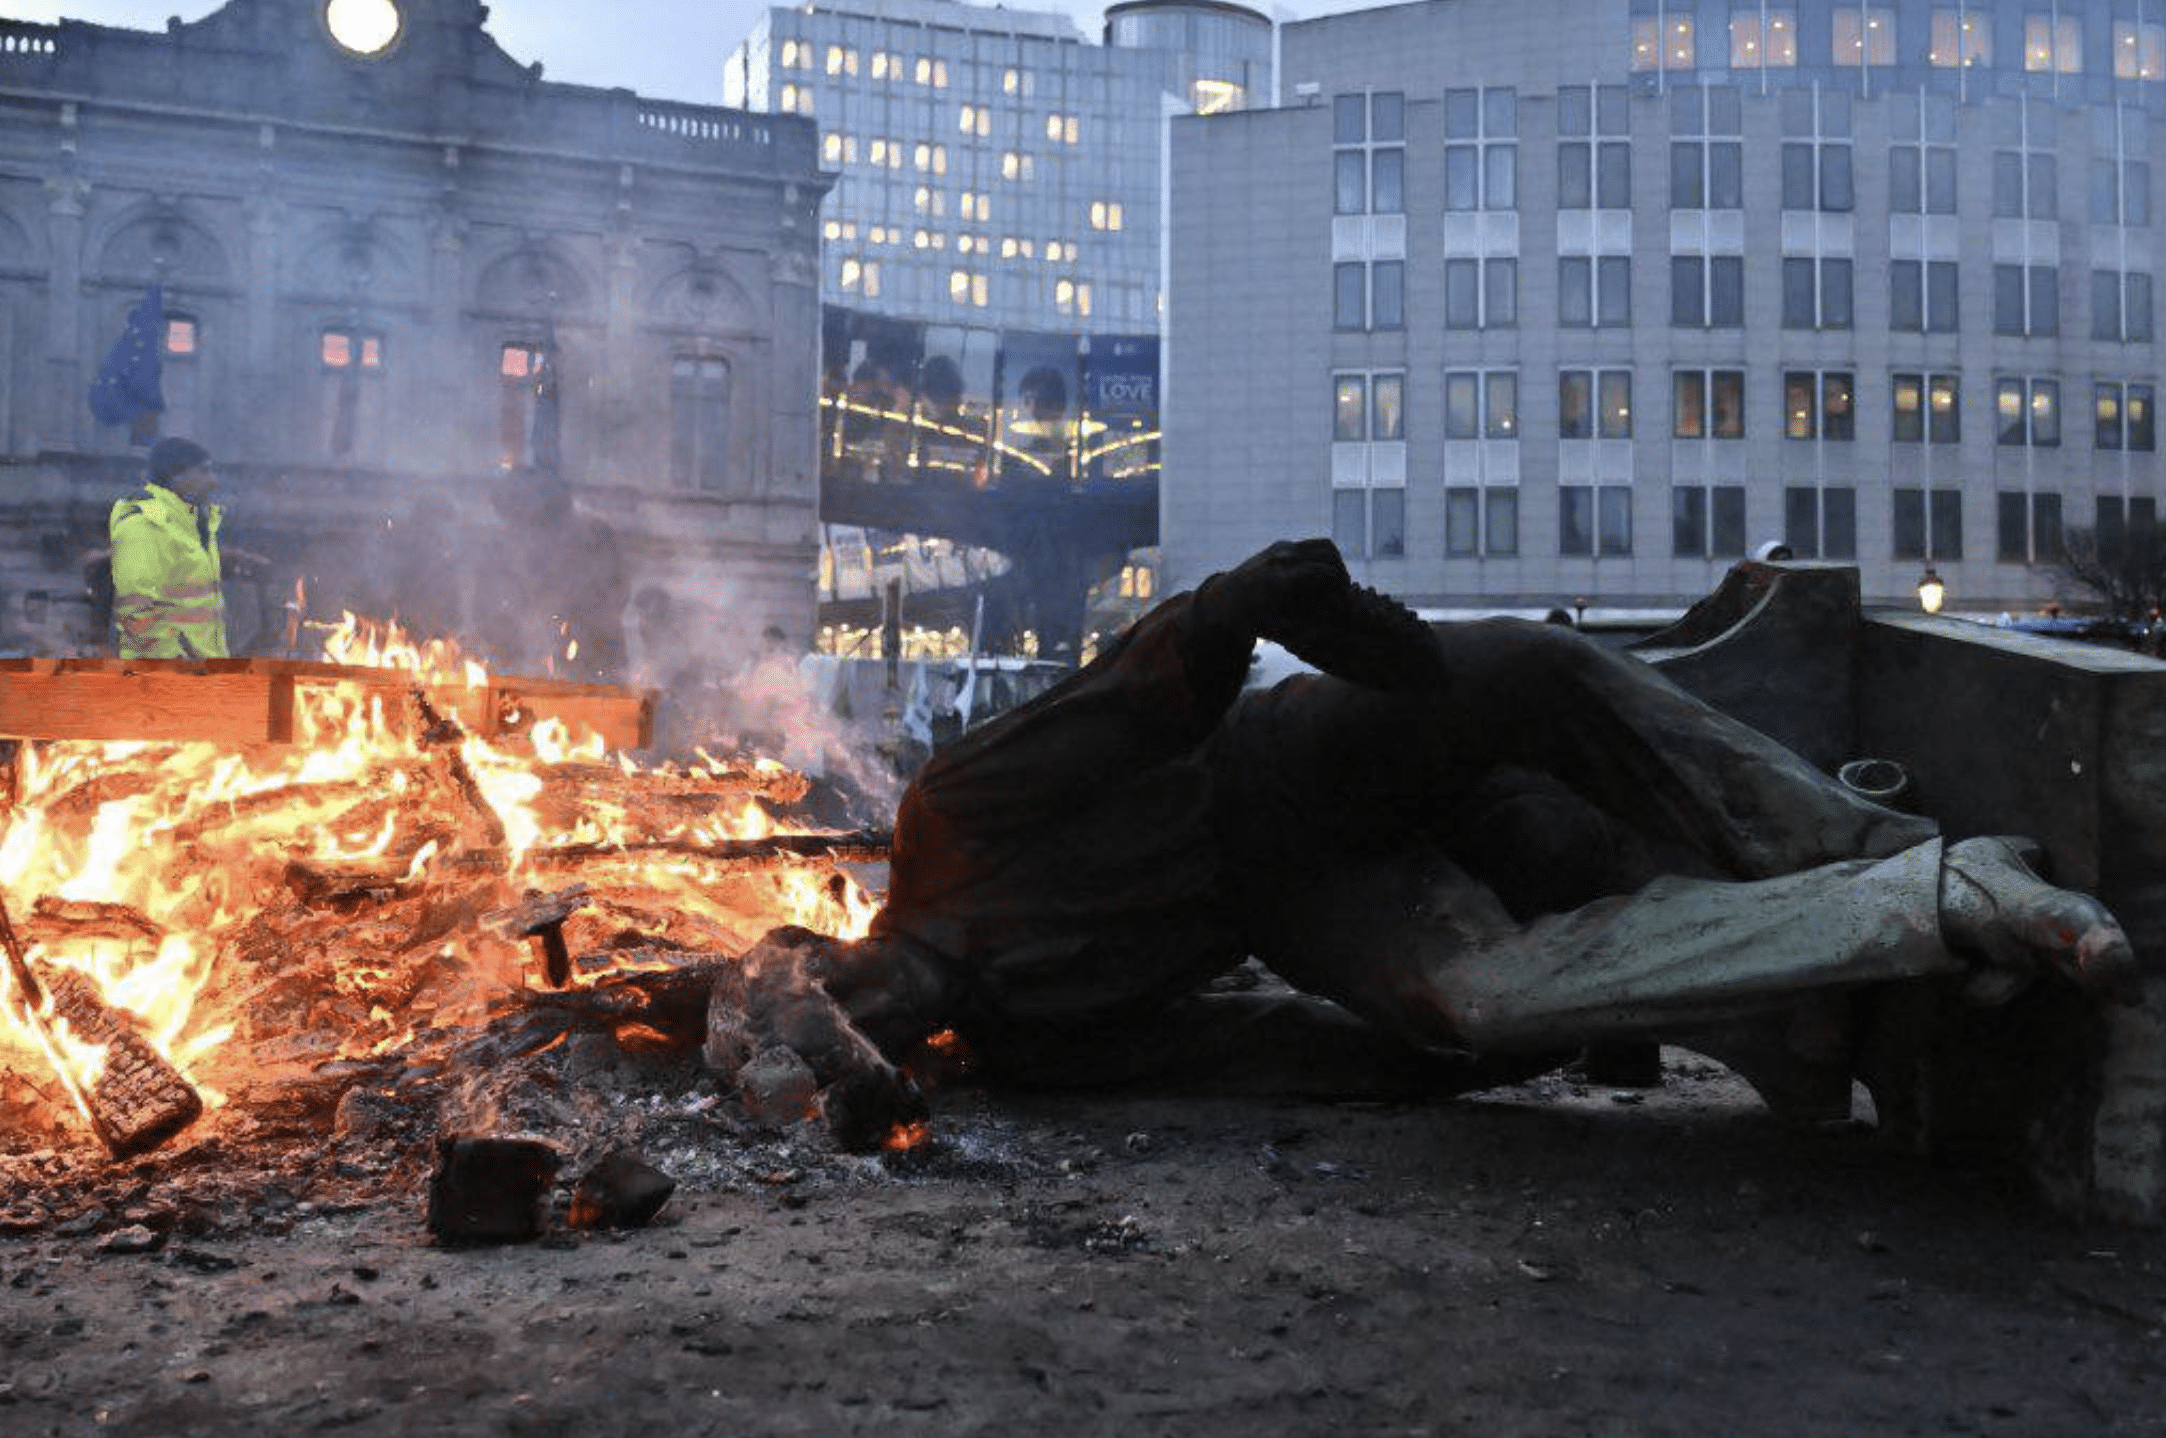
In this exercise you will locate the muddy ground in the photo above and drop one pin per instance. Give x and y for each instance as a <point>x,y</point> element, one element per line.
<point>1554,1260</point>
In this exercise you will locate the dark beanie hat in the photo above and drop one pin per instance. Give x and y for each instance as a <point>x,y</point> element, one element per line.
<point>171,455</point>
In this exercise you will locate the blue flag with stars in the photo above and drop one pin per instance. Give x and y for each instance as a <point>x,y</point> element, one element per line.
<point>128,385</point>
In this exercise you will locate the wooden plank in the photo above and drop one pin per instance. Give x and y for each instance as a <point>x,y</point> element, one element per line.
<point>250,701</point>
<point>623,718</point>
<point>161,708</point>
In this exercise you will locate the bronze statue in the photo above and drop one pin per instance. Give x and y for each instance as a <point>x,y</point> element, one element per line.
<point>1494,842</point>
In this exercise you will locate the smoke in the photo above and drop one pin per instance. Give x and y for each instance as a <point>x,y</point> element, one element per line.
<point>731,685</point>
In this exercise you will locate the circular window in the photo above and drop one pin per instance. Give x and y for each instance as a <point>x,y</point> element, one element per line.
<point>363,27</point>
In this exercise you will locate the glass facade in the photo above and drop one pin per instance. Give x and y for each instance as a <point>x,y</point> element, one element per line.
<point>993,167</point>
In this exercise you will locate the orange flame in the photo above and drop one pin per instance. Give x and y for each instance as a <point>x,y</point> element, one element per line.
<point>197,842</point>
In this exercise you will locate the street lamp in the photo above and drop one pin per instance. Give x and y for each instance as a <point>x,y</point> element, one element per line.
<point>1930,590</point>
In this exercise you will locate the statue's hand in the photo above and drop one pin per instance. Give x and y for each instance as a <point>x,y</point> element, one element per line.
<point>1298,594</point>
<point>778,997</point>
<point>1993,904</point>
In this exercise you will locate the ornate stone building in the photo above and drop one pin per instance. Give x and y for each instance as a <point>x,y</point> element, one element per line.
<point>413,294</point>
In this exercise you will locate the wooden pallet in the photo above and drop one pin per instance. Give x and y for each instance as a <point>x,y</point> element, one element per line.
<point>251,701</point>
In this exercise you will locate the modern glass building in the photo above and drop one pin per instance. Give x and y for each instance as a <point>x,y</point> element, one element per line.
<point>992,263</point>
<point>994,168</point>
<point>1542,300</point>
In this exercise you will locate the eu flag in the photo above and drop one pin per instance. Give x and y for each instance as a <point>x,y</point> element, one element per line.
<point>127,386</point>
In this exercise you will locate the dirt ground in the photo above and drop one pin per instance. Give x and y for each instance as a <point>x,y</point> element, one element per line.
<point>1553,1260</point>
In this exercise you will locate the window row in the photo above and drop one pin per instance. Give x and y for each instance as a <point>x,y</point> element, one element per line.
<point>1762,37</point>
<point>1924,408</point>
<point>1008,247</point>
<point>1707,172</point>
<point>1711,522</point>
<point>1708,292</point>
<point>847,61</point>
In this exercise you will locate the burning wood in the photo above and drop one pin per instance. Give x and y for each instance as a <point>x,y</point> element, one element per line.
<point>338,923</point>
<point>134,1098</point>
<point>542,917</point>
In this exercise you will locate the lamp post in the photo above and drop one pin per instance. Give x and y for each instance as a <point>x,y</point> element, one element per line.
<point>1930,590</point>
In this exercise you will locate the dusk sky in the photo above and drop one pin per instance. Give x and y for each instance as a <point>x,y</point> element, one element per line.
<point>667,49</point>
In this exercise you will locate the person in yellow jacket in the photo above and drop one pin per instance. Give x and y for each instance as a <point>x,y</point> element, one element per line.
<point>167,597</point>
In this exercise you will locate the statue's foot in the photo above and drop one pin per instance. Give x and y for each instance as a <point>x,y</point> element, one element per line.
<point>1994,904</point>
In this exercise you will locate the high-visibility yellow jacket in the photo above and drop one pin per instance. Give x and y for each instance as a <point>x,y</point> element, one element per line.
<point>167,601</point>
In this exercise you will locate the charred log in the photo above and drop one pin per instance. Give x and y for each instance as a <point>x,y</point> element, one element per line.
<point>856,846</point>
<point>621,1191</point>
<point>491,1190</point>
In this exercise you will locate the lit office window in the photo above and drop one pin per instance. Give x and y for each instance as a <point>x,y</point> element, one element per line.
<point>1819,404</point>
<point>967,287</point>
<point>2027,411</point>
<point>861,277</point>
<point>1960,37</point>
<point>1481,404</point>
<point>1708,404</point>
<point>1594,404</point>
<point>2123,416</point>
<point>1927,409</point>
<point>1662,42</point>
<point>2139,50</point>
<point>1864,35</point>
<point>2053,44</point>
<point>1763,40</point>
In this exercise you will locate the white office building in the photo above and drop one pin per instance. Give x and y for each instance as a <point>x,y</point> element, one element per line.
<point>1532,300</point>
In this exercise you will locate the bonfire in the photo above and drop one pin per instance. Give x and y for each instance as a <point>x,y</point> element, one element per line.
<point>313,958</point>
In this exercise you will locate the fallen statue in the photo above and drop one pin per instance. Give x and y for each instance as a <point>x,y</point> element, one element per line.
<point>1494,843</point>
